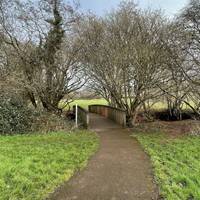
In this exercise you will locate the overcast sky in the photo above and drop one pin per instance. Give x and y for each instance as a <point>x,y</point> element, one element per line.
<point>170,7</point>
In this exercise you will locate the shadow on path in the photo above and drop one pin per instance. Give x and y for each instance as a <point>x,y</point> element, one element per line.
<point>120,170</point>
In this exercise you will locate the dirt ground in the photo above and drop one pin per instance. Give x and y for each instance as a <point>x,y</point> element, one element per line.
<point>120,170</point>
<point>171,128</point>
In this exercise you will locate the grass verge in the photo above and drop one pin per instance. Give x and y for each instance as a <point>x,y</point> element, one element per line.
<point>176,164</point>
<point>32,166</point>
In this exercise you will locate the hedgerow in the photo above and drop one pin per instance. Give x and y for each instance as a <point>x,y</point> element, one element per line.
<point>15,115</point>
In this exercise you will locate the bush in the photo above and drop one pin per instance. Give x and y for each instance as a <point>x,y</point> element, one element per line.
<point>15,115</point>
<point>45,122</point>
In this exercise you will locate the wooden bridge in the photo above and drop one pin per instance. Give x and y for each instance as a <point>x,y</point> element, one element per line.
<point>114,114</point>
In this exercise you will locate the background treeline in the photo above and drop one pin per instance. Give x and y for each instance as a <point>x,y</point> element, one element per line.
<point>131,57</point>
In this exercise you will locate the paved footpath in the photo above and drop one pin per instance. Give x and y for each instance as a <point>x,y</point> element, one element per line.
<point>120,170</point>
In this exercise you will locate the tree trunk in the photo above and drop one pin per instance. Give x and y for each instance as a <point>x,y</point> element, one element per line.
<point>32,99</point>
<point>129,120</point>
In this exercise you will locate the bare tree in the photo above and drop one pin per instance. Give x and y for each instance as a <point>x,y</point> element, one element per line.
<point>184,50</point>
<point>42,37</point>
<point>123,55</point>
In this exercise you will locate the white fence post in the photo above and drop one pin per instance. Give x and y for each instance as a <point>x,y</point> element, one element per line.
<point>76,116</point>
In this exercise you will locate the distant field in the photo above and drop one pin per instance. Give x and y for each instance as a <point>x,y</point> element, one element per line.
<point>176,164</point>
<point>31,166</point>
<point>85,102</point>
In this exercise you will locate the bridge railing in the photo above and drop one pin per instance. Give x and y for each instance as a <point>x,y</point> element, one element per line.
<point>83,116</point>
<point>115,114</point>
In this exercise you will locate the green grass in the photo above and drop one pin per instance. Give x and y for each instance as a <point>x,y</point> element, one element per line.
<point>85,102</point>
<point>176,164</point>
<point>32,166</point>
<point>162,105</point>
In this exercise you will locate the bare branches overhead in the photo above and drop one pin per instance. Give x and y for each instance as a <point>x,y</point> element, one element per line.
<point>42,38</point>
